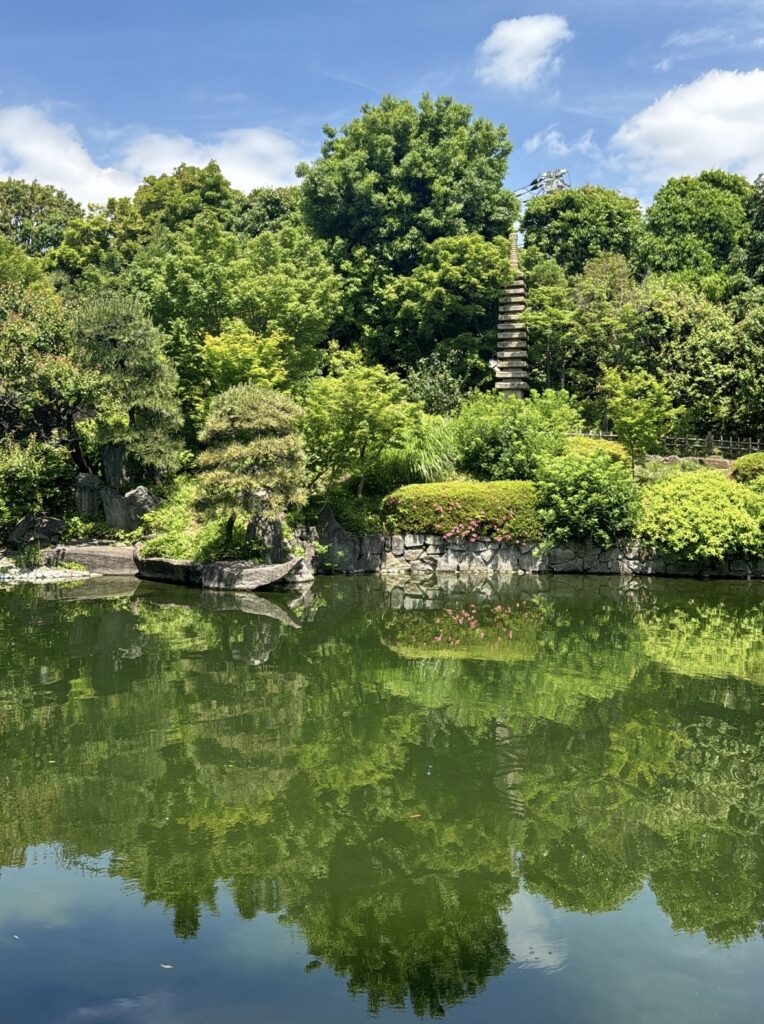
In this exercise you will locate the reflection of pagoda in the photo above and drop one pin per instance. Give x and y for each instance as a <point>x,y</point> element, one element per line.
<point>512,356</point>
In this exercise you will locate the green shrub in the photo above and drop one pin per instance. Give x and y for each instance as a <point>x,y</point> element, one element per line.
<point>82,528</point>
<point>703,517</point>
<point>359,515</point>
<point>583,445</point>
<point>182,532</point>
<point>748,467</point>
<point>587,497</point>
<point>501,510</point>
<point>35,476</point>
<point>504,439</point>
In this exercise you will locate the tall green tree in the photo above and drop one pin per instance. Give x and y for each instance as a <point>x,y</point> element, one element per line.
<point>391,182</point>
<point>700,224</point>
<point>138,404</point>
<point>35,216</point>
<point>574,225</point>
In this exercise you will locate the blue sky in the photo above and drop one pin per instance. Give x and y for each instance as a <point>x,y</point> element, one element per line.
<point>94,95</point>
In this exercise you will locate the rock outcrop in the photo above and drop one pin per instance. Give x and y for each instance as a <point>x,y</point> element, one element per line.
<point>126,512</point>
<point>103,559</point>
<point>35,530</point>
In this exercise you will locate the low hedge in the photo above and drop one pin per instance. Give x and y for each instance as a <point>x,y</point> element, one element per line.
<point>505,510</point>
<point>748,467</point>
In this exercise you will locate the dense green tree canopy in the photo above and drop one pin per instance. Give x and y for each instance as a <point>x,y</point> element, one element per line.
<point>575,225</point>
<point>35,216</point>
<point>700,224</point>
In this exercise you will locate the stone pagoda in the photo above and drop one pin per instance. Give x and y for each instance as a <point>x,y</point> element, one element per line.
<point>512,357</point>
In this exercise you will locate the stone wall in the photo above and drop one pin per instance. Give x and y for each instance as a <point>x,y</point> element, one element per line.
<point>416,553</point>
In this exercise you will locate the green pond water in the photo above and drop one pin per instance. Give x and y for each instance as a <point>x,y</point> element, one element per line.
<point>535,801</point>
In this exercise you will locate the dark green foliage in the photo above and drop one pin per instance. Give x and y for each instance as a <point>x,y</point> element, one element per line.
<point>360,515</point>
<point>35,476</point>
<point>748,467</point>
<point>504,510</point>
<point>116,338</point>
<point>266,209</point>
<point>35,216</point>
<point>587,496</point>
<point>699,224</point>
<point>574,225</point>
<point>703,517</point>
<point>500,438</point>
<point>387,187</point>
<point>756,233</point>
<point>435,383</point>
<point>399,176</point>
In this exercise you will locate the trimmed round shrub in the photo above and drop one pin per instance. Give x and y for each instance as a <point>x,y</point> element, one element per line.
<point>748,467</point>
<point>504,439</point>
<point>504,510</point>
<point>583,445</point>
<point>587,497</point>
<point>702,517</point>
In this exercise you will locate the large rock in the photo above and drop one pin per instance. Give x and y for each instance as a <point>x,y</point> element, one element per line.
<point>168,570</point>
<point>244,575</point>
<point>35,530</point>
<point>104,559</point>
<point>88,496</point>
<point>126,512</point>
<point>346,553</point>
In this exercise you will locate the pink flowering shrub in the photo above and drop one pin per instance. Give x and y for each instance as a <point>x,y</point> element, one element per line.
<point>502,510</point>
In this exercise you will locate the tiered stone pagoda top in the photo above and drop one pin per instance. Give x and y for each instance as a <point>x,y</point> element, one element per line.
<point>512,356</point>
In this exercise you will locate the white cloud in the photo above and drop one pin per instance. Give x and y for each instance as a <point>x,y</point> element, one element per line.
<point>520,51</point>
<point>249,157</point>
<point>554,142</point>
<point>715,121</point>
<point>700,37</point>
<point>33,145</point>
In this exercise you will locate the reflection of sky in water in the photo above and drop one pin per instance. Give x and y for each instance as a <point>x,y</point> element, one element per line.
<point>531,934</point>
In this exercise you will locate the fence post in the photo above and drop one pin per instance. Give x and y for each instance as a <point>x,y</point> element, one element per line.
<point>709,443</point>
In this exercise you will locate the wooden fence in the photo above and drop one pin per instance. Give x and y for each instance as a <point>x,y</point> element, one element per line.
<point>727,447</point>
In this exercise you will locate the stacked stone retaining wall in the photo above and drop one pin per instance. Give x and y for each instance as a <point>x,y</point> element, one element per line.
<point>420,553</point>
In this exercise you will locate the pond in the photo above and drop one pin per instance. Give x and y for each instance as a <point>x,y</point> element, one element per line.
<point>539,801</point>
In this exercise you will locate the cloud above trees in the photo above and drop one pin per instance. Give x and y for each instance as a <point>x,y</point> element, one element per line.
<point>520,52</point>
<point>33,145</point>
<point>715,121</point>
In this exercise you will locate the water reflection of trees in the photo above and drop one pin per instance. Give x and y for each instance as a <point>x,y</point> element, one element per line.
<point>382,795</point>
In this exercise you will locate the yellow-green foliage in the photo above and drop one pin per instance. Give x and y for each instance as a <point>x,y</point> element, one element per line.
<point>182,531</point>
<point>748,467</point>
<point>702,516</point>
<point>501,510</point>
<point>582,445</point>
